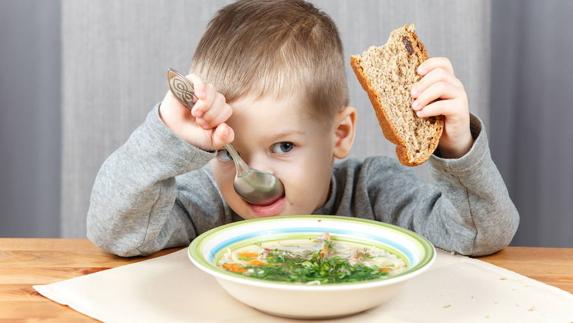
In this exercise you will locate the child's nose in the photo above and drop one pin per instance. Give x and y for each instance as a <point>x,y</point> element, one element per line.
<point>260,163</point>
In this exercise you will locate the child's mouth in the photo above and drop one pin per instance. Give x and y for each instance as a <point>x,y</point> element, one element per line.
<point>274,208</point>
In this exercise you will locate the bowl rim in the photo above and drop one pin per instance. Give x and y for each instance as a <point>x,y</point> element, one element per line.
<point>196,257</point>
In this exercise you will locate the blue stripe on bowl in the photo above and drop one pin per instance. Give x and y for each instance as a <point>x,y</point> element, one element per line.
<point>310,230</point>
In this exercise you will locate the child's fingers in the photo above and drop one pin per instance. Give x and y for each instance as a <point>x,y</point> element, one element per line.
<point>197,83</point>
<point>206,95</point>
<point>203,124</point>
<point>436,75</point>
<point>435,62</point>
<point>222,135</point>
<point>219,112</point>
<point>441,107</point>
<point>439,90</point>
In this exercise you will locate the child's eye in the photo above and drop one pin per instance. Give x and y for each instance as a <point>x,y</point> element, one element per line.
<point>223,155</point>
<point>282,147</point>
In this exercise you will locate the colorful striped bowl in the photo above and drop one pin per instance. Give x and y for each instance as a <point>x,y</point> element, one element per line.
<point>311,301</point>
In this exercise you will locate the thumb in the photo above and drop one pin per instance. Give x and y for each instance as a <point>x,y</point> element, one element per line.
<point>222,135</point>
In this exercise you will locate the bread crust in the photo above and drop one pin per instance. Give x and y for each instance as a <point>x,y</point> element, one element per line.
<point>387,127</point>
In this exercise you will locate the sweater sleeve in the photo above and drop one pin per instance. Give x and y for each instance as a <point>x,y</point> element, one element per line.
<point>152,193</point>
<point>466,209</point>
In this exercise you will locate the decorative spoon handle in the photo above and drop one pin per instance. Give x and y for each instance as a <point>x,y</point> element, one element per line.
<point>181,88</point>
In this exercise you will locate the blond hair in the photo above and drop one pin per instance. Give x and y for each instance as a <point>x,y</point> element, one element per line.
<point>280,48</point>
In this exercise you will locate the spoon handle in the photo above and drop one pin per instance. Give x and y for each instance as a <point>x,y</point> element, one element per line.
<point>241,167</point>
<point>182,88</point>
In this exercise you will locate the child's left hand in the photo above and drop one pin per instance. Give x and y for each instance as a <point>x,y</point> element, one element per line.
<point>439,92</point>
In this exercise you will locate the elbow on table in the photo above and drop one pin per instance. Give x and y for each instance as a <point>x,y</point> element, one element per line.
<point>117,246</point>
<point>112,234</point>
<point>498,235</point>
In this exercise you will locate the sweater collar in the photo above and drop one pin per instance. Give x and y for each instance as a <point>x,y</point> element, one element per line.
<point>328,206</point>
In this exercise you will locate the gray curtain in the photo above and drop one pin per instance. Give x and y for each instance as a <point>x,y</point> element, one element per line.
<point>30,137</point>
<point>531,115</point>
<point>115,54</point>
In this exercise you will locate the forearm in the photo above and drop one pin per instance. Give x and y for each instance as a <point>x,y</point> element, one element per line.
<point>133,207</point>
<point>475,188</point>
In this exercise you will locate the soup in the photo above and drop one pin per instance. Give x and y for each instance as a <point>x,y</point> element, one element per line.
<point>318,260</point>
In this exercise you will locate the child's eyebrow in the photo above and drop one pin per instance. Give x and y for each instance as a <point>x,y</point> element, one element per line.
<point>286,133</point>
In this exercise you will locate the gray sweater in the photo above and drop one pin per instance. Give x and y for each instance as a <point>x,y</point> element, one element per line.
<point>156,191</point>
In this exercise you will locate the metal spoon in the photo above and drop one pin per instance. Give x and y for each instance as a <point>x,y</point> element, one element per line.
<point>253,186</point>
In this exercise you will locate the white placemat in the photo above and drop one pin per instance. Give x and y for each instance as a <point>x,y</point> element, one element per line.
<point>171,289</point>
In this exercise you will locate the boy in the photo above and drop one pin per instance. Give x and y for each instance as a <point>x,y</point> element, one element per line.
<point>269,76</point>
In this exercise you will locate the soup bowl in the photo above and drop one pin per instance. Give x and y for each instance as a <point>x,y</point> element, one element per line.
<point>311,301</point>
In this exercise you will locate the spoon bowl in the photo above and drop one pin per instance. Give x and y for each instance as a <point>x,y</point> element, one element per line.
<point>252,185</point>
<point>258,187</point>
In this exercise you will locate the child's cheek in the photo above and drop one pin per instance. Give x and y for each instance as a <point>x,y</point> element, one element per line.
<point>223,174</point>
<point>298,185</point>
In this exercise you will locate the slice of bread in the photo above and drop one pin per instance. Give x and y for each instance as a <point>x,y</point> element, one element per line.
<point>387,74</point>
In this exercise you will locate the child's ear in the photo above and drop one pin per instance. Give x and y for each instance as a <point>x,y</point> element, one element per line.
<point>344,131</point>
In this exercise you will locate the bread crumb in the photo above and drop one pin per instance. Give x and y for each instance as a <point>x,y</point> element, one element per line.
<point>532,308</point>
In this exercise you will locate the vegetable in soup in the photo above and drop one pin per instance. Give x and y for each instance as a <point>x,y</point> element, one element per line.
<point>312,261</point>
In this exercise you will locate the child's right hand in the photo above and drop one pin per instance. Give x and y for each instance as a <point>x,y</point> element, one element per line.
<point>204,126</point>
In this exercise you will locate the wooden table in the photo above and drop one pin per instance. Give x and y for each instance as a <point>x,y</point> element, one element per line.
<point>27,262</point>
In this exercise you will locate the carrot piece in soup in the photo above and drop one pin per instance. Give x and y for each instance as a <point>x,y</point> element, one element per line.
<point>236,268</point>
<point>256,262</point>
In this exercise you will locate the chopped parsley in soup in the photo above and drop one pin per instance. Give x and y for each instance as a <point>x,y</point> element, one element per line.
<point>312,261</point>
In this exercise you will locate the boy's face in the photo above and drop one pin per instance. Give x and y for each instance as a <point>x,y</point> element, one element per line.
<point>282,138</point>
